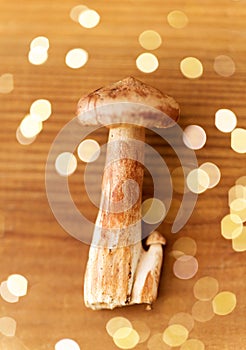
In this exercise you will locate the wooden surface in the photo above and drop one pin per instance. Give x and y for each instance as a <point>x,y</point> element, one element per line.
<point>32,242</point>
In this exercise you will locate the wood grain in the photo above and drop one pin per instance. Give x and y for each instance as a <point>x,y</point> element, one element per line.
<point>31,240</point>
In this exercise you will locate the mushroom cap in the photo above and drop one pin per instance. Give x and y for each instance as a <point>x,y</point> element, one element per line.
<point>155,238</point>
<point>128,101</point>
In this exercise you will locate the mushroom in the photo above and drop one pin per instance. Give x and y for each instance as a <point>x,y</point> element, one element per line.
<point>116,251</point>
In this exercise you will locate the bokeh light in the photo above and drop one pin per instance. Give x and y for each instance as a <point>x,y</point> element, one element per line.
<point>225,120</point>
<point>89,18</point>
<point>231,226</point>
<point>22,139</point>
<point>17,285</point>
<point>41,108</point>
<point>224,66</point>
<point>126,338</point>
<point>153,210</point>
<point>6,83</point>
<point>191,67</point>
<point>213,173</point>
<point>150,40</point>
<point>7,326</point>
<point>66,164</point>
<point>175,335</point>
<point>185,267</point>
<point>235,192</point>
<point>194,137</point>
<point>38,55</point>
<point>193,344</point>
<point>238,140</point>
<point>147,62</point>
<point>238,207</point>
<point>224,303</point>
<point>241,181</point>
<point>116,323</point>
<point>206,288</point>
<point>197,181</point>
<point>6,294</point>
<point>177,19</point>
<point>67,344</point>
<point>239,243</point>
<point>76,11</point>
<point>76,58</point>
<point>40,41</point>
<point>202,311</point>
<point>185,246</point>
<point>88,150</point>
<point>30,126</point>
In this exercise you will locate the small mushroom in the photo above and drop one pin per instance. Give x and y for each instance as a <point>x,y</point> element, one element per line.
<point>116,244</point>
<point>145,287</point>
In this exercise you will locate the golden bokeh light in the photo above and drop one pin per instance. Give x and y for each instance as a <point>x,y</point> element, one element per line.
<point>197,181</point>
<point>239,243</point>
<point>191,67</point>
<point>76,58</point>
<point>193,344</point>
<point>206,288</point>
<point>225,120</point>
<point>126,338</point>
<point>22,139</point>
<point>41,108</point>
<point>38,55</point>
<point>150,40</point>
<point>153,211</point>
<point>194,137</point>
<point>231,226</point>
<point>142,329</point>
<point>175,335</point>
<point>6,294</point>
<point>202,311</point>
<point>241,181</point>
<point>213,172</point>
<point>238,140</point>
<point>177,19</point>
<point>66,164</point>
<point>185,267</point>
<point>116,323</point>
<point>89,18</point>
<point>88,150</point>
<point>185,245</point>
<point>7,326</point>
<point>6,83</point>
<point>76,11</point>
<point>224,303</point>
<point>17,285</point>
<point>41,41</point>
<point>236,192</point>
<point>147,62</point>
<point>238,207</point>
<point>30,126</point>
<point>224,66</point>
<point>67,344</point>
<point>184,319</point>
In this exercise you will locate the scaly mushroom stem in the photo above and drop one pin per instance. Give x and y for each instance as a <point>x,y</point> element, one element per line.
<point>116,244</point>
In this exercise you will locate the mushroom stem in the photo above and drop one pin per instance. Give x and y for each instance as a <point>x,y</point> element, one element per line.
<point>116,244</point>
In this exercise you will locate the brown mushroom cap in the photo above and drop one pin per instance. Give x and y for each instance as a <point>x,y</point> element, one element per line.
<point>155,238</point>
<point>128,101</point>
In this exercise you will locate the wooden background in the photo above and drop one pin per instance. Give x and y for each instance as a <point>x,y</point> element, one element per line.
<point>32,242</point>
